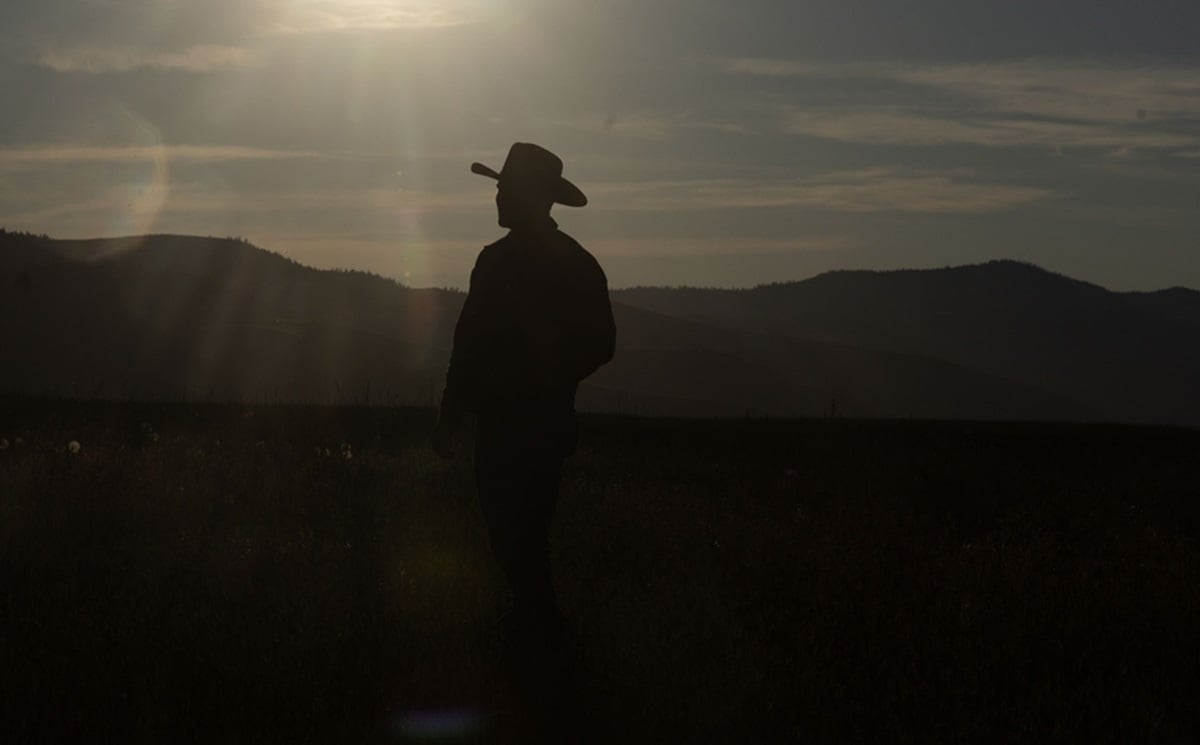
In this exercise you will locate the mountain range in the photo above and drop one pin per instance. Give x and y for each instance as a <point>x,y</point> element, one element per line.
<point>178,317</point>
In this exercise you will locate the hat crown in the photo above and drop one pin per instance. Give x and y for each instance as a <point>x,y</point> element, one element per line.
<point>531,164</point>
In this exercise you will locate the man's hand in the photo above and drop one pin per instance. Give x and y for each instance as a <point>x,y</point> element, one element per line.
<point>443,441</point>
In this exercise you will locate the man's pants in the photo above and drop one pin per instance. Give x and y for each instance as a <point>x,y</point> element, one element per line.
<point>518,486</point>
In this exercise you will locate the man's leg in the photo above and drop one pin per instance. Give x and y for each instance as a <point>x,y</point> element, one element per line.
<point>530,576</point>
<point>517,496</point>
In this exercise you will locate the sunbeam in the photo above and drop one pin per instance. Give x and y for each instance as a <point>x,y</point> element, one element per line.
<point>343,15</point>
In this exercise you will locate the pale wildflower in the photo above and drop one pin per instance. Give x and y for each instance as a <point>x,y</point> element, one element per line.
<point>327,453</point>
<point>347,454</point>
<point>73,447</point>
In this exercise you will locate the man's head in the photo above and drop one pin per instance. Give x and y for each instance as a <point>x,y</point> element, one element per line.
<point>517,206</point>
<point>529,184</point>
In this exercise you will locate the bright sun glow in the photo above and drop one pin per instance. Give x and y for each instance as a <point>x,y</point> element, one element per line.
<point>338,15</point>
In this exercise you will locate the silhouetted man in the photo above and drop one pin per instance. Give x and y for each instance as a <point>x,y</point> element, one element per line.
<point>536,322</point>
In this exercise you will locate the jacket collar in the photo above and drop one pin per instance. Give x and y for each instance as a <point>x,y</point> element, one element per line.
<point>540,227</point>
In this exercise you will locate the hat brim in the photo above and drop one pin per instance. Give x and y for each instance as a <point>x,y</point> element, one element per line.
<point>565,192</point>
<point>483,170</point>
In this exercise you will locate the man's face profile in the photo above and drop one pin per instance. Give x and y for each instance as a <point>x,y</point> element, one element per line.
<point>519,206</point>
<point>505,206</point>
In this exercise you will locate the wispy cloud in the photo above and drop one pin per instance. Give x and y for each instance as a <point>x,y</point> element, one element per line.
<point>157,204</point>
<point>310,16</point>
<point>56,213</point>
<point>1076,90</point>
<point>1103,93</point>
<point>100,60</point>
<point>362,202</point>
<point>871,190</point>
<point>46,155</point>
<point>652,126</point>
<point>1026,103</point>
<point>690,247</point>
<point>214,35</point>
<point>889,125</point>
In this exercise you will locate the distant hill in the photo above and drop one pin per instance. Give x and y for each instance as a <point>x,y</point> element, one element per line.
<point>173,316</point>
<point>219,319</point>
<point>1127,356</point>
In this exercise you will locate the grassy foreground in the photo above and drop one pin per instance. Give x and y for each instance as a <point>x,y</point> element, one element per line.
<point>225,574</point>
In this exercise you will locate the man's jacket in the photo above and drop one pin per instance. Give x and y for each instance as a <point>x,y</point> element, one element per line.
<point>537,321</point>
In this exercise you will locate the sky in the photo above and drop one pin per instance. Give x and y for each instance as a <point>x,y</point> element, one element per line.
<point>720,142</point>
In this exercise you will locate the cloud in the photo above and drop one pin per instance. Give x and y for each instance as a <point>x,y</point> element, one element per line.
<point>863,191</point>
<point>354,15</point>
<point>362,202</point>
<point>360,207</point>
<point>98,36</point>
<point>108,195</point>
<point>690,247</point>
<point>99,60</point>
<point>1100,93</point>
<point>154,26</point>
<point>1004,104</point>
<point>883,125</point>
<point>649,126</point>
<point>53,154</point>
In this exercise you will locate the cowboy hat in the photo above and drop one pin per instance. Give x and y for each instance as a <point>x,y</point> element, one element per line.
<point>530,166</point>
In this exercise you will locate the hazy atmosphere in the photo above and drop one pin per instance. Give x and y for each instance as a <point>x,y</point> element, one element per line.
<point>550,371</point>
<point>721,142</point>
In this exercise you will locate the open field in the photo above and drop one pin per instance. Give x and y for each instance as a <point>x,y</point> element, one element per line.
<point>210,574</point>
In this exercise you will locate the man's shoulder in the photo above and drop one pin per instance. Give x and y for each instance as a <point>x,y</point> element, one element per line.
<point>562,245</point>
<point>503,240</point>
<point>575,251</point>
<point>492,252</point>
<point>568,243</point>
<point>495,246</point>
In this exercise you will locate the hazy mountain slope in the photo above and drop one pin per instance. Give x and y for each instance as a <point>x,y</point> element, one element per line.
<point>1130,356</point>
<point>170,316</point>
<point>803,377</point>
<point>1175,304</point>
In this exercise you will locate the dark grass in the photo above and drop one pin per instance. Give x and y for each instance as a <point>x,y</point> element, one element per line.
<point>215,577</point>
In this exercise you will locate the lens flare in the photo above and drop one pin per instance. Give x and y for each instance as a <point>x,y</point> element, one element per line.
<point>438,725</point>
<point>138,202</point>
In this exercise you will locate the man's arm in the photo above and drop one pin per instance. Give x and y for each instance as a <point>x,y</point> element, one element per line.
<point>594,339</point>
<point>462,372</point>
